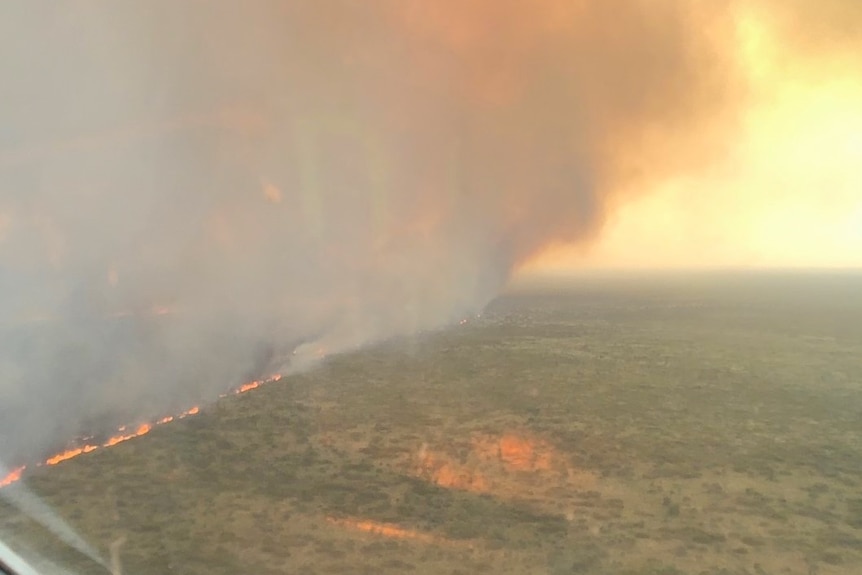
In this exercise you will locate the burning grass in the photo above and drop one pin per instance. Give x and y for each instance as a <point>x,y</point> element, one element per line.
<point>553,436</point>
<point>13,476</point>
<point>124,434</point>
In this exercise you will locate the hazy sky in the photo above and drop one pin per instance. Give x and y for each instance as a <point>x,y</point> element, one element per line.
<point>787,190</point>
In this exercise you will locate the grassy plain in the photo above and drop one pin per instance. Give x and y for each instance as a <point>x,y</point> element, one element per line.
<point>705,424</point>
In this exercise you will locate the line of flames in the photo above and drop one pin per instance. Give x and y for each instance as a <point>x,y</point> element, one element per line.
<point>124,433</point>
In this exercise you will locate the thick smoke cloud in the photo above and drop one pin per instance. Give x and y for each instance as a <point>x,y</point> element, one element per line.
<point>284,176</point>
<point>815,29</point>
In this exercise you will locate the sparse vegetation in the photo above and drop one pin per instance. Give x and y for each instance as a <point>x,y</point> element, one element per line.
<point>606,429</point>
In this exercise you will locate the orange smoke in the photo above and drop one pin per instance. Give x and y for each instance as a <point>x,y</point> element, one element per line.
<point>271,192</point>
<point>786,192</point>
<point>385,529</point>
<point>445,472</point>
<point>513,451</point>
<point>517,452</point>
<point>610,97</point>
<point>419,151</point>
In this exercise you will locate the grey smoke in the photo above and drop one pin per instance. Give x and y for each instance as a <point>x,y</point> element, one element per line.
<point>292,175</point>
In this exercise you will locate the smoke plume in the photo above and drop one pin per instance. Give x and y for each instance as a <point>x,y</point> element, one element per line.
<point>193,193</point>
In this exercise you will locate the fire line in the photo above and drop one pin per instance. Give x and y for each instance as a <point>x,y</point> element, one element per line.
<point>124,435</point>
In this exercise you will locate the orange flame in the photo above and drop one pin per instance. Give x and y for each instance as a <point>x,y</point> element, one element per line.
<point>122,435</point>
<point>12,476</point>
<point>247,387</point>
<point>193,411</point>
<point>69,454</point>
<point>141,430</point>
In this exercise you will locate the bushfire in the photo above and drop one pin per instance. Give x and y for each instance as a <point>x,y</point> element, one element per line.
<point>125,433</point>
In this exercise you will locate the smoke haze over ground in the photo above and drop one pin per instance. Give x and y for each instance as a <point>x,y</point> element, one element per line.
<point>190,190</point>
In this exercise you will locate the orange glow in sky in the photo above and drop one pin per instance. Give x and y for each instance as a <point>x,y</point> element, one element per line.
<point>788,194</point>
